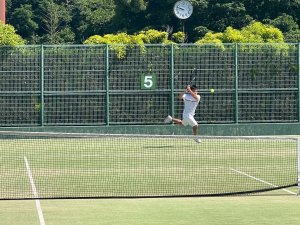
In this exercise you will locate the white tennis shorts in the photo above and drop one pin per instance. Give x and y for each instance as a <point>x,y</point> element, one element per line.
<point>189,120</point>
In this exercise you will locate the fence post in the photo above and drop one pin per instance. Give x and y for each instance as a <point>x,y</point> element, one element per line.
<point>298,161</point>
<point>172,80</point>
<point>298,81</point>
<point>42,84</point>
<point>107,120</point>
<point>236,83</point>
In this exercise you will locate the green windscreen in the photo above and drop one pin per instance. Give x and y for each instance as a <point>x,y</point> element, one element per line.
<point>57,85</point>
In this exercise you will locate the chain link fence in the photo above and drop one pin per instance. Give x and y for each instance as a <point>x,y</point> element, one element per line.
<point>93,85</point>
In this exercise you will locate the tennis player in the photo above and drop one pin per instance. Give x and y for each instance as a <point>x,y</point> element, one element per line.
<point>191,99</point>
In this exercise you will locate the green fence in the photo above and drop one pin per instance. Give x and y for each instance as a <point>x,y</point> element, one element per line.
<point>115,84</point>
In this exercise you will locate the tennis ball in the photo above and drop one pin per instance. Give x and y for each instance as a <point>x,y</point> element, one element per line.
<point>212,90</point>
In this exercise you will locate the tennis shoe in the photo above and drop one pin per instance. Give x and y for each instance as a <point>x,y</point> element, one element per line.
<point>198,140</point>
<point>168,119</point>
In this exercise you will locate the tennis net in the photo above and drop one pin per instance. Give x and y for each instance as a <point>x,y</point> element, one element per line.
<point>36,165</point>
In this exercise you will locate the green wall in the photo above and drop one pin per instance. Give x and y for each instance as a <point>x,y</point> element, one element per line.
<point>210,130</point>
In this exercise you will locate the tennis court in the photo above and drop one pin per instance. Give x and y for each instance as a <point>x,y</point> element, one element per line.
<point>38,165</point>
<point>60,166</point>
<point>276,207</point>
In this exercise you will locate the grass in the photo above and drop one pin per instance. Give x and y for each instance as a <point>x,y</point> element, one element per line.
<point>143,167</point>
<point>127,167</point>
<point>279,208</point>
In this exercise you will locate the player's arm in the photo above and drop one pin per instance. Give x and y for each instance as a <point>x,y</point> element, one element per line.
<point>181,95</point>
<point>193,94</point>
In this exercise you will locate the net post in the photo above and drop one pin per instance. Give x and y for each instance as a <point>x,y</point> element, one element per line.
<point>298,153</point>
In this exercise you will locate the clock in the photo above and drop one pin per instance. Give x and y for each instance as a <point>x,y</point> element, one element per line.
<point>183,9</point>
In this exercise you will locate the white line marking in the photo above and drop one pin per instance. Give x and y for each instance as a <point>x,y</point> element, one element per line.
<point>35,194</point>
<point>260,180</point>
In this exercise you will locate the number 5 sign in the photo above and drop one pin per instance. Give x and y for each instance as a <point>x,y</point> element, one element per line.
<point>148,82</point>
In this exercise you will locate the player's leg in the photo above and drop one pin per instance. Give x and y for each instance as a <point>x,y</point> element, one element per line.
<point>195,129</point>
<point>170,119</point>
<point>195,132</point>
<point>190,120</point>
<point>177,121</point>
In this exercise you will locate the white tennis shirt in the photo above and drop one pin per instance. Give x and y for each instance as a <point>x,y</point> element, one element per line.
<point>190,104</point>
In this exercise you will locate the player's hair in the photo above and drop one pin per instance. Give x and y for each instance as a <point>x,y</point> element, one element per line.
<point>193,87</point>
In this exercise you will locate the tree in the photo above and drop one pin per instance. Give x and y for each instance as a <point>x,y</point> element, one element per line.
<point>8,35</point>
<point>131,15</point>
<point>288,26</point>
<point>200,31</point>
<point>33,19</point>
<point>150,36</point>
<point>284,22</point>
<point>178,37</point>
<point>292,36</point>
<point>135,6</point>
<point>79,19</point>
<point>23,19</point>
<point>256,32</point>
<point>270,9</point>
<point>144,37</point>
<point>232,14</point>
<point>91,17</point>
<point>55,20</point>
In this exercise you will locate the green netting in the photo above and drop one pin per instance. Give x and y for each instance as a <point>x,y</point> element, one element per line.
<point>19,109</point>
<point>74,68</point>
<point>211,67</point>
<point>124,74</point>
<point>20,69</point>
<point>101,84</point>
<point>65,165</point>
<point>268,107</point>
<point>75,109</point>
<point>268,67</point>
<point>138,108</point>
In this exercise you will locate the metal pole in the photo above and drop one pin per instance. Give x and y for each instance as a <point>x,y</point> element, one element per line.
<point>107,83</point>
<point>42,85</point>
<point>236,83</point>
<point>172,80</point>
<point>298,153</point>
<point>299,82</point>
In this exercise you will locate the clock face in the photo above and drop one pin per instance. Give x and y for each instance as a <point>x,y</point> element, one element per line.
<point>183,9</point>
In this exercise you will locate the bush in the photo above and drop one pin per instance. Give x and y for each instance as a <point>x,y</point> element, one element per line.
<point>8,35</point>
<point>255,32</point>
<point>119,42</point>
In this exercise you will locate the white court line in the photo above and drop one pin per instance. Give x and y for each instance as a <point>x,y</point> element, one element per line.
<point>35,194</point>
<point>260,180</point>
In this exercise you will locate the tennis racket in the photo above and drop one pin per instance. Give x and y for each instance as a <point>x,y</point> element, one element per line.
<point>193,76</point>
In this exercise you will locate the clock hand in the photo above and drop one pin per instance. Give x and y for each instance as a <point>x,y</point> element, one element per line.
<point>180,8</point>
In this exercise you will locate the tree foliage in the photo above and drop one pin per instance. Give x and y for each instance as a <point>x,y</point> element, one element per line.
<point>288,26</point>
<point>73,21</point>
<point>144,37</point>
<point>91,17</point>
<point>121,39</point>
<point>23,20</point>
<point>256,32</point>
<point>8,35</point>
